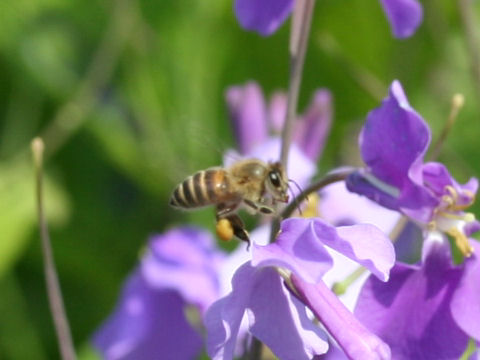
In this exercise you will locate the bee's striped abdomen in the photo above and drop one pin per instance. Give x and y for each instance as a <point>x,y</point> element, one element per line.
<point>203,188</point>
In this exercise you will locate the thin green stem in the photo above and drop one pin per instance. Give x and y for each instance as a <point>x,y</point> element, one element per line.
<point>341,287</point>
<point>54,292</point>
<point>467,17</point>
<point>457,103</point>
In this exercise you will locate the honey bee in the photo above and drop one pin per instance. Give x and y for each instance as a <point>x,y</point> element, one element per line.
<point>251,183</point>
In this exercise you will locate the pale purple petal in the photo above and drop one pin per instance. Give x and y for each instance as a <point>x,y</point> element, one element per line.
<point>298,249</point>
<point>264,16</point>
<point>277,111</point>
<point>280,321</point>
<point>224,317</point>
<point>147,324</point>
<point>273,318</point>
<point>333,353</point>
<point>355,340</point>
<point>341,269</point>
<point>475,355</point>
<point>465,305</point>
<point>411,312</point>
<point>248,115</point>
<point>312,130</point>
<point>363,243</point>
<point>185,260</point>
<point>405,16</point>
<point>338,206</point>
<point>238,257</point>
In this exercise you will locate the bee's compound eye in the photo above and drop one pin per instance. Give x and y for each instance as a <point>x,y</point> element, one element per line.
<point>224,229</point>
<point>274,178</point>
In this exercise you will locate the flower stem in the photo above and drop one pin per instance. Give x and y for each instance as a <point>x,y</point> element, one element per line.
<point>467,17</point>
<point>300,31</point>
<point>458,101</point>
<point>328,179</point>
<point>57,308</point>
<point>341,287</point>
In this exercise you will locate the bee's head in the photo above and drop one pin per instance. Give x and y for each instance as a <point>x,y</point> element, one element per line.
<point>277,182</point>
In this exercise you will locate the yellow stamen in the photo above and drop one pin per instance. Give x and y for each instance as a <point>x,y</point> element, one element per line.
<point>452,198</point>
<point>461,241</point>
<point>312,207</point>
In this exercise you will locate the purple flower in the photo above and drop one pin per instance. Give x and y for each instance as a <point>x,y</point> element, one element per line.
<point>393,143</point>
<point>247,113</point>
<point>359,210</point>
<point>252,118</point>
<point>274,315</point>
<point>266,16</point>
<point>178,273</point>
<point>425,311</point>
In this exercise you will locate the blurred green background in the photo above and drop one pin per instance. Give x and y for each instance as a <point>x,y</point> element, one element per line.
<point>129,97</point>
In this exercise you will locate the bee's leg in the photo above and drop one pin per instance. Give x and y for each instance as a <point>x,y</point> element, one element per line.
<point>259,208</point>
<point>239,228</point>
<point>223,209</point>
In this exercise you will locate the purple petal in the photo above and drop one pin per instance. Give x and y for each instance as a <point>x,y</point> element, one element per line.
<point>312,132</point>
<point>299,247</point>
<point>259,236</point>
<point>405,16</point>
<point>265,16</point>
<point>437,177</point>
<point>411,312</point>
<point>277,111</point>
<point>147,324</point>
<point>248,115</point>
<point>465,305</point>
<point>280,321</point>
<point>359,210</point>
<point>393,143</point>
<point>394,140</point>
<point>475,355</point>
<point>472,228</point>
<point>355,340</point>
<point>296,248</point>
<point>341,269</point>
<point>273,318</point>
<point>185,260</point>
<point>363,243</point>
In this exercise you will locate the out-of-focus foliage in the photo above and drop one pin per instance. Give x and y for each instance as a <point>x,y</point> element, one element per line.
<point>129,96</point>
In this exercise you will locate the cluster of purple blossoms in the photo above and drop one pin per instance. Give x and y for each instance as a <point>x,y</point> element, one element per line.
<point>185,286</point>
<point>431,309</point>
<point>182,272</point>
<point>265,17</point>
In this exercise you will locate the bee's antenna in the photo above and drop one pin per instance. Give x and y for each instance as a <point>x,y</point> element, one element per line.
<point>293,194</point>
<point>296,184</point>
